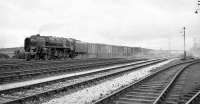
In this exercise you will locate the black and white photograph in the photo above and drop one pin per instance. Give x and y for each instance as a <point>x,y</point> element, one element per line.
<point>99,51</point>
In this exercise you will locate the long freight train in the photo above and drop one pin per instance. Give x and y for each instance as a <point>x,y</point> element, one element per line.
<point>48,47</point>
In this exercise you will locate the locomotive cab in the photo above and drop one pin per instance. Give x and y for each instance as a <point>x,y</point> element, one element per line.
<point>27,44</point>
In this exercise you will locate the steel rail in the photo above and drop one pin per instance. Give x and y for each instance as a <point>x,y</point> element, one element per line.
<point>79,83</point>
<point>195,99</point>
<point>22,62</point>
<point>103,70</point>
<point>56,61</point>
<point>49,62</point>
<point>64,68</point>
<point>123,89</point>
<point>170,85</point>
<point>24,65</point>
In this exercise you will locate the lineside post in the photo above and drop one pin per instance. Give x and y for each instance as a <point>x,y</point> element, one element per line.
<point>184,42</point>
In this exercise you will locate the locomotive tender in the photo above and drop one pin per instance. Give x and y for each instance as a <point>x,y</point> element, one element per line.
<point>48,47</point>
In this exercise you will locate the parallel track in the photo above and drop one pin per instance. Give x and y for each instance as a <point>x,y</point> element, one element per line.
<point>42,89</point>
<point>171,93</point>
<point>150,90</point>
<point>10,76</point>
<point>37,64</point>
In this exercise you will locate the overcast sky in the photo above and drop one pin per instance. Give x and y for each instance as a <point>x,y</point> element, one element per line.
<point>155,24</point>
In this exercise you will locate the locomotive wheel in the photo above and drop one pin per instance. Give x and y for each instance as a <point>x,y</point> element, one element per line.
<point>28,57</point>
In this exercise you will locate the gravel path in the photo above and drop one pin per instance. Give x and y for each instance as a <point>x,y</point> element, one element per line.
<point>88,95</point>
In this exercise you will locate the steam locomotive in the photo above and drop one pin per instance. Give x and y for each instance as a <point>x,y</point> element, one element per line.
<point>48,47</point>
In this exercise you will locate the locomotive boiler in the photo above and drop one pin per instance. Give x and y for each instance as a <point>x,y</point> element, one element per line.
<point>48,47</point>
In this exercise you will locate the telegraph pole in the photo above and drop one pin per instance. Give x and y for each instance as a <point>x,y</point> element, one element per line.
<point>184,42</point>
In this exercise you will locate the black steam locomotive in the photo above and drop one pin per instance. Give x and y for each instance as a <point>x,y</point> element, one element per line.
<point>48,47</point>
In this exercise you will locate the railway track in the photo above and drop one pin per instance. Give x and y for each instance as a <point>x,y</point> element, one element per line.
<point>153,89</point>
<point>23,62</point>
<point>10,61</point>
<point>186,88</point>
<point>193,97</point>
<point>38,64</point>
<point>172,92</point>
<point>16,75</point>
<point>35,91</point>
